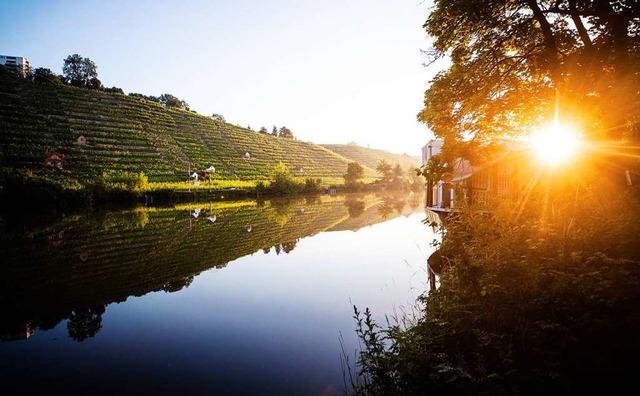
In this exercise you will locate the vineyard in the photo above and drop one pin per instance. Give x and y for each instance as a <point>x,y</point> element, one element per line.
<point>94,131</point>
<point>369,158</point>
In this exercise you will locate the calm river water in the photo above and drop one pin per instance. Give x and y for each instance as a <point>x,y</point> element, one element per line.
<point>232,298</point>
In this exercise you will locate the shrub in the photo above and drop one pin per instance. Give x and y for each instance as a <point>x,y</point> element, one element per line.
<point>312,186</point>
<point>281,181</point>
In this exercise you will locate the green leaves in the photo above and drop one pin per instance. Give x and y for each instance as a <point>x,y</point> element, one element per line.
<point>517,64</point>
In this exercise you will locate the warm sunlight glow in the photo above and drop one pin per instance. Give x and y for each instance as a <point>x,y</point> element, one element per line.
<point>556,144</point>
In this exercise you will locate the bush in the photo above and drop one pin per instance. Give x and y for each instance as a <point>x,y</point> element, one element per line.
<point>537,297</point>
<point>122,186</point>
<point>44,190</point>
<point>282,182</point>
<point>312,186</point>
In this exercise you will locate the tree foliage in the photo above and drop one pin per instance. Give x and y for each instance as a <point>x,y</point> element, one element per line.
<point>281,180</point>
<point>285,132</point>
<point>355,172</point>
<point>80,72</point>
<point>44,75</point>
<point>218,117</point>
<point>515,65</point>
<point>539,296</point>
<point>170,100</point>
<point>385,170</point>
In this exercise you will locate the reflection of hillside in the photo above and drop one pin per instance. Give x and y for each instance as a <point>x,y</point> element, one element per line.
<point>74,268</point>
<point>363,213</point>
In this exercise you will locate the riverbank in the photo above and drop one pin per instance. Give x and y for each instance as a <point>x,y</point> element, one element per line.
<point>536,297</point>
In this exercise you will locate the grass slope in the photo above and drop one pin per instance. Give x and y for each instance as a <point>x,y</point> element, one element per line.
<point>124,134</point>
<point>369,157</point>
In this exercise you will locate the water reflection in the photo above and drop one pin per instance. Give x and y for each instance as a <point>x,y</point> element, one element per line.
<point>74,268</point>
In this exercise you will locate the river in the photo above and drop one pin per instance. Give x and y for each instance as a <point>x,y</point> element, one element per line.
<point>238,297</point>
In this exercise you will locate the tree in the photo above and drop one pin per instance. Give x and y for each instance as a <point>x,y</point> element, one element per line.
<point>355,172</point>
<point>285,133</point>
<point>44,75</point>
<point>94,83</point>
<point>218,117</point>
<point>385,171</point>
<point>170,100</point>
<point>281,181</point>
<point>113,90</point>
<point>263,130</point>
<point>80,72</point>
<point>516,65</point>
<point>274,131</point>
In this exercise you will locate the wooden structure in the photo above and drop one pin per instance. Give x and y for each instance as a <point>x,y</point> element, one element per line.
<point>54,161</point>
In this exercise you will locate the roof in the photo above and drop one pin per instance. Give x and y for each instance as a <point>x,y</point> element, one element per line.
<point>54,157</point>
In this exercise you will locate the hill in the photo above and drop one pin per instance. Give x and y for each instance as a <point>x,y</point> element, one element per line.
<point>369,157</point>
<point>95,131</point>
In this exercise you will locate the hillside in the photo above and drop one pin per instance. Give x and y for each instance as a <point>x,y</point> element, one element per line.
<point>96,131</point>
<point>369,157</point>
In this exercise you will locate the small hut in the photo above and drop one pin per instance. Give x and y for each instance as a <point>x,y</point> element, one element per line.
<point>247,155</point>
<point>54,161</point>
<point>81,140</point>
<point>299,169</point>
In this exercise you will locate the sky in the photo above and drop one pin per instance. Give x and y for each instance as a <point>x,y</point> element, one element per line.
<point>332,71</point>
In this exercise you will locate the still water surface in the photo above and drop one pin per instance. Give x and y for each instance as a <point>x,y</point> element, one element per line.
<point>217,298</point>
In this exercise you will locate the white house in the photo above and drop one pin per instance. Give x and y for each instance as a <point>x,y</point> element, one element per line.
<point>19,61</point>
<point>478,184</point>
<point>430,149</point>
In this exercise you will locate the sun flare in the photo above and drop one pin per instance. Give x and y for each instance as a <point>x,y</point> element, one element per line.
<point>556,143</point>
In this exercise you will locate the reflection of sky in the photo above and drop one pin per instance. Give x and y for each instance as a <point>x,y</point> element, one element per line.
<point>264,324</point>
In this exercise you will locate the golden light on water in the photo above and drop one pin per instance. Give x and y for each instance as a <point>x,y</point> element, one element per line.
<point>556,144</point>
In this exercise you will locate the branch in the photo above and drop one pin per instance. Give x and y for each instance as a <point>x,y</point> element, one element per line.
<point>582,31</point>
<point>549,38</point>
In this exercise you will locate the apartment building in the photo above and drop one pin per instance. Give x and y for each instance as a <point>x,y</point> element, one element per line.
<point>19,61</point>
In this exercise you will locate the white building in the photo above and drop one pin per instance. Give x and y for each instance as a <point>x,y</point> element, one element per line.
<point>430,149</point>
<point>19,61</point>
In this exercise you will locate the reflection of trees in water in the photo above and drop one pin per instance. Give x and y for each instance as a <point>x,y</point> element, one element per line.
<point>289,246</point>
<point>384,211</point>
<point>85,323</point>
<point>312,200</point>
<point>126,220</point>
<point>398,206</point>
<point>177,285</point>
<point>354,206</point>
<point>391,203</point>
<point>415,200</point>
<point>282,210</point>
<point>286,247</point>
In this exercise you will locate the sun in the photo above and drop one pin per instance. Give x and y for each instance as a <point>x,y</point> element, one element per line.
<point>556,144</point>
